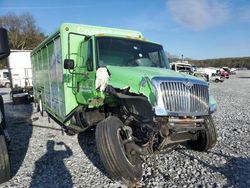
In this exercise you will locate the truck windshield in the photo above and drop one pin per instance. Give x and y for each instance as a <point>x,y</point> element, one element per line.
<point>128,52</point>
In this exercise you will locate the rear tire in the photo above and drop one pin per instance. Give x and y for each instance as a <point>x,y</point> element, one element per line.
<point>2,121</point>
<point>4,161</point>
<point>207,138</point>
<point>7,85</point>
<point>120,164</point>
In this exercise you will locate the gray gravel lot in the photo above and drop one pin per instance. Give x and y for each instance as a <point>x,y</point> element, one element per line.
<point>41,156</point>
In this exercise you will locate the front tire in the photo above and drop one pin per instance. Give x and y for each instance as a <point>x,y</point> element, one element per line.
<point>4,161</point>
<point>118,162</point>
<point>206,138</point>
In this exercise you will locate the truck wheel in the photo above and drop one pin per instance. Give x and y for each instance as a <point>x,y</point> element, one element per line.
<point>206,138</point>
<point>4,161</point>
<point>120,164</point>
<point>2,121</point>
<point>40,105</point>
<point>216,80</point>
<point>7,85</point>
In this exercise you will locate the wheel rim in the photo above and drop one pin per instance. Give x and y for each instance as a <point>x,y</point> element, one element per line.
<point>40,105</point>
<point>131,158</point>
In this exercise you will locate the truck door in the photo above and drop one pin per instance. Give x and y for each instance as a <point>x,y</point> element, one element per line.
<point>85,78</point>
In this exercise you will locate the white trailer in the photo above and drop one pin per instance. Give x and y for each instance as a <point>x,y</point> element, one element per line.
<point>20,68</point>
<point>20,75</point>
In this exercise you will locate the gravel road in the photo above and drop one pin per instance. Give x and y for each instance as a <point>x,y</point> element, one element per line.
<point>41,156</point>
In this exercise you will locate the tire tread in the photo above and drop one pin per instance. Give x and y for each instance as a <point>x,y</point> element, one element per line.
<point>111,152</point>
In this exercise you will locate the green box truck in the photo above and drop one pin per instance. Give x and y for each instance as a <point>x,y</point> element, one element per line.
<point>121,83</point>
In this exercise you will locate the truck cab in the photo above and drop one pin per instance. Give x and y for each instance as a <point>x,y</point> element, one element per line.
<point>182,67</point>
<point>185,67</point>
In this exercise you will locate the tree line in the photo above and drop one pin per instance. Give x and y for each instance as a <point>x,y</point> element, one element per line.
<point>234,62</point>
<point>23,32</point>
<point>231,62</point>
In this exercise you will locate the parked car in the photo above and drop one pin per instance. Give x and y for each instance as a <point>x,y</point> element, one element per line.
<point>224,73</point>
<point>216,78</point>
<point>227,69</point>
<point>233,71</point>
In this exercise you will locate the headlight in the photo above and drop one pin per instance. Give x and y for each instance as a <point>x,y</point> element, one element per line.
<point>213,108</point>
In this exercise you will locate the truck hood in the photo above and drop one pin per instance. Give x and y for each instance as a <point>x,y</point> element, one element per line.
<point>123,77</point>
<point>137,80</point>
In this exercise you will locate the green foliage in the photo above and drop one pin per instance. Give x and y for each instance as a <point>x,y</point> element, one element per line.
<point>23,33</point>
<point>232,62</point>
<point>3,63</point>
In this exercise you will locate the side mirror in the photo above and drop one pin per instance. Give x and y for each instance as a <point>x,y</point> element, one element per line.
<point>89,64</point>
<point>4,44</point>
<point>69,64</point>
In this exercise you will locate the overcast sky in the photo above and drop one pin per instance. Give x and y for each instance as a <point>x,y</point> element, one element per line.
<point>199,29</point>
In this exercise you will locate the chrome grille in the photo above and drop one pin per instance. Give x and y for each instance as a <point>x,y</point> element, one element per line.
<point>180,97</point>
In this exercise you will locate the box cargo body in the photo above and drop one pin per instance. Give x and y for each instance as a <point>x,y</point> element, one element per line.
<point>58,88</point>
<point>20,68</point>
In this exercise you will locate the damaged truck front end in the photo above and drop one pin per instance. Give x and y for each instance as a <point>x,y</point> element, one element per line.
<point>121,84</point>
<point>165,112</point>
<point>156,109</point>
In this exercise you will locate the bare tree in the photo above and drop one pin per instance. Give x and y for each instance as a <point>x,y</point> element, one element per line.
<point>22,30</point>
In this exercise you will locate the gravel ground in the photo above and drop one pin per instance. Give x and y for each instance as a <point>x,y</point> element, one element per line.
<point>41,156</point>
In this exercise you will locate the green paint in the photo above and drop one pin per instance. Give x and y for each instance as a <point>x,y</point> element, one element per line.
<point>212,101</point>
<point>63,90</point>
<point>123,77</point>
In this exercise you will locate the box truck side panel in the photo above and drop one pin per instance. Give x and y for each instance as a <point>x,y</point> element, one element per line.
<point>48,81</point>
<point>44,52</point>
<point>56,78</point>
